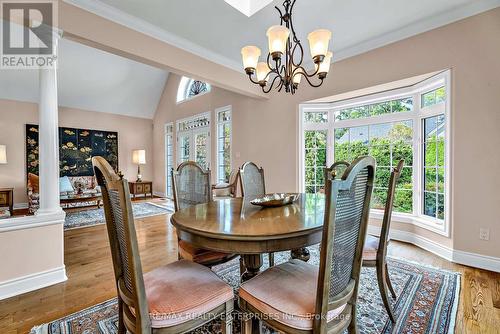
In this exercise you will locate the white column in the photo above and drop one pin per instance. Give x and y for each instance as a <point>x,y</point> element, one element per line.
<point>48,140</point>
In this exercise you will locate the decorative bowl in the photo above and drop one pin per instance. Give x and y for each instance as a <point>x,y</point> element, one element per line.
<point>275,200</point>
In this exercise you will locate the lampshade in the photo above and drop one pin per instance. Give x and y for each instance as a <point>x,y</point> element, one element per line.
<point>3,154</point>
<point>277,37</point>
<point>250,55</point>
<point>318,43</point>
<point>139,157</point>
<point>297,76</point>
<point>262,71</point>
<point>324,67</point>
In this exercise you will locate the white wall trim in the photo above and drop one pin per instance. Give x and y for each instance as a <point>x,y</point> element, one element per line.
<point>19,206</point>
<point>32,282</point>
<point>118,16</point>
<point>25,222</point>
<point>447,253</point>
<point>159,194</point>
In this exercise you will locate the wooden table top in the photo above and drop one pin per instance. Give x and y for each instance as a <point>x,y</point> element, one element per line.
<point>237,219</point>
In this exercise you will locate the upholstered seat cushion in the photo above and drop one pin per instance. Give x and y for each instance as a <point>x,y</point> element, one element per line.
<point>288,293</point>
<point>200,255</point>
<point>181,291</point>
<point>371,248</point>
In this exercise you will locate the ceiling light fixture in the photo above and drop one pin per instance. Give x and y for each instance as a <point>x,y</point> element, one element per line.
<point>284,66</point>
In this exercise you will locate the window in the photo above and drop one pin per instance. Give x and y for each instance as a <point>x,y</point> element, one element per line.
<point>223,144</point>
<point>193,137</point>
<point>189,88</point>
<point>169,158</point>
<point>408,123</point>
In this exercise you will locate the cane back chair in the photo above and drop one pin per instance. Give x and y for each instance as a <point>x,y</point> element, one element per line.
<point>253,185</point>
<point>191,186</point>
<point>297,297</point>
<point>375,251</point>
<point>175,298</point>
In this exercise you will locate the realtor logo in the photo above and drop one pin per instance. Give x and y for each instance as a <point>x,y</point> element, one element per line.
<point>28,39</point>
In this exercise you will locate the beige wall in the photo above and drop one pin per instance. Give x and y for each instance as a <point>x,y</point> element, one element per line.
<point>470,48</point>
<point>133,133</point>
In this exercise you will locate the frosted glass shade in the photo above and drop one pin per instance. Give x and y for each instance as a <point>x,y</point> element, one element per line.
<point>318,43</point>
<point>139,157</point>
<point>324,67</point>
<point>3,154</point>
<point>262,71</point>
<point>277,37</point>
<point>297,76</point>
<point>250,55</point>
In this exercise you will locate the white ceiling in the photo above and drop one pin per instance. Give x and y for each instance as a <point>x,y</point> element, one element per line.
<point>217,31</point>
<point>95,80</point>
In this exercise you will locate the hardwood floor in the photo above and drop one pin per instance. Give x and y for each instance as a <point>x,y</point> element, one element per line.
<point>90,279</point>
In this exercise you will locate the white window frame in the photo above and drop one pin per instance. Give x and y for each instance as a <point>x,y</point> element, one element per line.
<point>218,123</point>
<point>184,86</point>
<point>192,137</point>
<point>169,136</point>
<point>417,115</point>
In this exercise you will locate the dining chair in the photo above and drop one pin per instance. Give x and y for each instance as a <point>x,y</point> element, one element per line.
<point>175,298</point>
<point>375,250</point>
<point>297,297</point>
<point>229,189</point>
<point>337,169</point>
<point>191,186</point>
<point>253,185</point>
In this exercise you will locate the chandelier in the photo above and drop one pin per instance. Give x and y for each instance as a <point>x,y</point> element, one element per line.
<point>284,65</point>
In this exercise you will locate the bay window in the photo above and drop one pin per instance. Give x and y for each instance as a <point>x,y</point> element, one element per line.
<point>408,123</point>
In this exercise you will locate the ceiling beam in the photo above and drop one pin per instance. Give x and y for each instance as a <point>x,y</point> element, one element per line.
<point>95,31</point>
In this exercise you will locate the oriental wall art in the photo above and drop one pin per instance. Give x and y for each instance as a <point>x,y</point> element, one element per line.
<point>76,149</point>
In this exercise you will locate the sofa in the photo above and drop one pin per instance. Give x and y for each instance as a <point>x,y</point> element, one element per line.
<point>81,187</point>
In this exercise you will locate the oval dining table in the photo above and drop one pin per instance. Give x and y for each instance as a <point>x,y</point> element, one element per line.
<point>236,226</point>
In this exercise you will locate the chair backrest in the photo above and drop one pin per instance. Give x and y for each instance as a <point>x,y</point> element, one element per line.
<point>347,205</point>
<point>191,185</point>
<point>337,169</point>
<point>389,203</point>
<point>252,181</point>
<point>124,247</point>
<point>233,181</point>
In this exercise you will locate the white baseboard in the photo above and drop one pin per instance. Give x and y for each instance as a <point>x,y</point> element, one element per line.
<point>447,253</point>
<point>18,206</point>
<point>32,282</point>
<point>159,194</point>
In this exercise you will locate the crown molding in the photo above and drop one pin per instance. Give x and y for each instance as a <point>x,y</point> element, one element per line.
<point>118,16</point>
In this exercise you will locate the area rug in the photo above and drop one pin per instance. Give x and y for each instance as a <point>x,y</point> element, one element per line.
<point>427,300</point>
<point>84,218</point>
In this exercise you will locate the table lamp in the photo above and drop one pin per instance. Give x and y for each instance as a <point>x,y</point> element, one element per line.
<point>3,154</point>
<point>139,158</point>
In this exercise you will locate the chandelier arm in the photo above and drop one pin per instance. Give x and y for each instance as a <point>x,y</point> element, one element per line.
<point>252,80</point>
<point>270,86</point>
<point>312,84</point>
<point>301,55</point>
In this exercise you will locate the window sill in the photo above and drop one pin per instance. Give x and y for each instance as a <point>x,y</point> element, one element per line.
<point>428,223</point>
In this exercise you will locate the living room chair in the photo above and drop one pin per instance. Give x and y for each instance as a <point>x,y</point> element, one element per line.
<point>297,297</point>
<point>175,298</point>
<point>191,186</point>
<point>253,185</point>
<point>375,250</point>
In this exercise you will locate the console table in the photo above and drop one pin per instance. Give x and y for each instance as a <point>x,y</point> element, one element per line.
<point>141,188</point>
<point>7,199</point>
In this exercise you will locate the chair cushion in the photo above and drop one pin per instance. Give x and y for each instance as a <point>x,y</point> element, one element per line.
<point>371,248</point>
<point>181,291</point>
<point>288,293</point>
<point>200,255</point>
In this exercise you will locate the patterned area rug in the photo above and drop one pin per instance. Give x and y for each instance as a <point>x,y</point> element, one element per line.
<point>92,217</point>
<point>427,300</point>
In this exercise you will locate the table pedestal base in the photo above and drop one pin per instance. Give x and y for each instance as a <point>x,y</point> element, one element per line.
<point>252,263</point>
<point>301,254</point>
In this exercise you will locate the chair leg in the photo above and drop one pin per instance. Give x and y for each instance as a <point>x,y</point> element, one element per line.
<point>389,283</point>
<point>382,286</point>
<point>121,324</point>
<point>271,259</point>
<point>227,320</point>
<point>353,325</point>
<point>246,323</point>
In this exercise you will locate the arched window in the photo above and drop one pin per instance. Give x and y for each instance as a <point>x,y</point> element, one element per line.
<point>189,88</point>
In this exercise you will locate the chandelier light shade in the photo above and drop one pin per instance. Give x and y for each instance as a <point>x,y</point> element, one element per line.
<point>318,43</point>
<point>250,56</point>
<point>283,67</point>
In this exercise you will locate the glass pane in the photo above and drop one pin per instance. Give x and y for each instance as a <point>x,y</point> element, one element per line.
<point>403,201</point>
<point>430,204</point>
<point>359,134</point>
<point>430,179</point>
<point>316,117</point>
<point>430,128</point>
<point>402,105</point>
<point>379,197</point>
<point>402,132</point>
<point>379,134</point>
<point>428,99</point>
<point>440,206</point>
<point>380,109</point>
<point>357,150</point>
<point>440,184</point>
<point>382,155</point>
<point>402,151</point>
<point>405,179</point>
<point>440,95</point>
<point>342,152</point>
<point>382,175</point>
<point>342,135</point>
<point>201,150</point>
